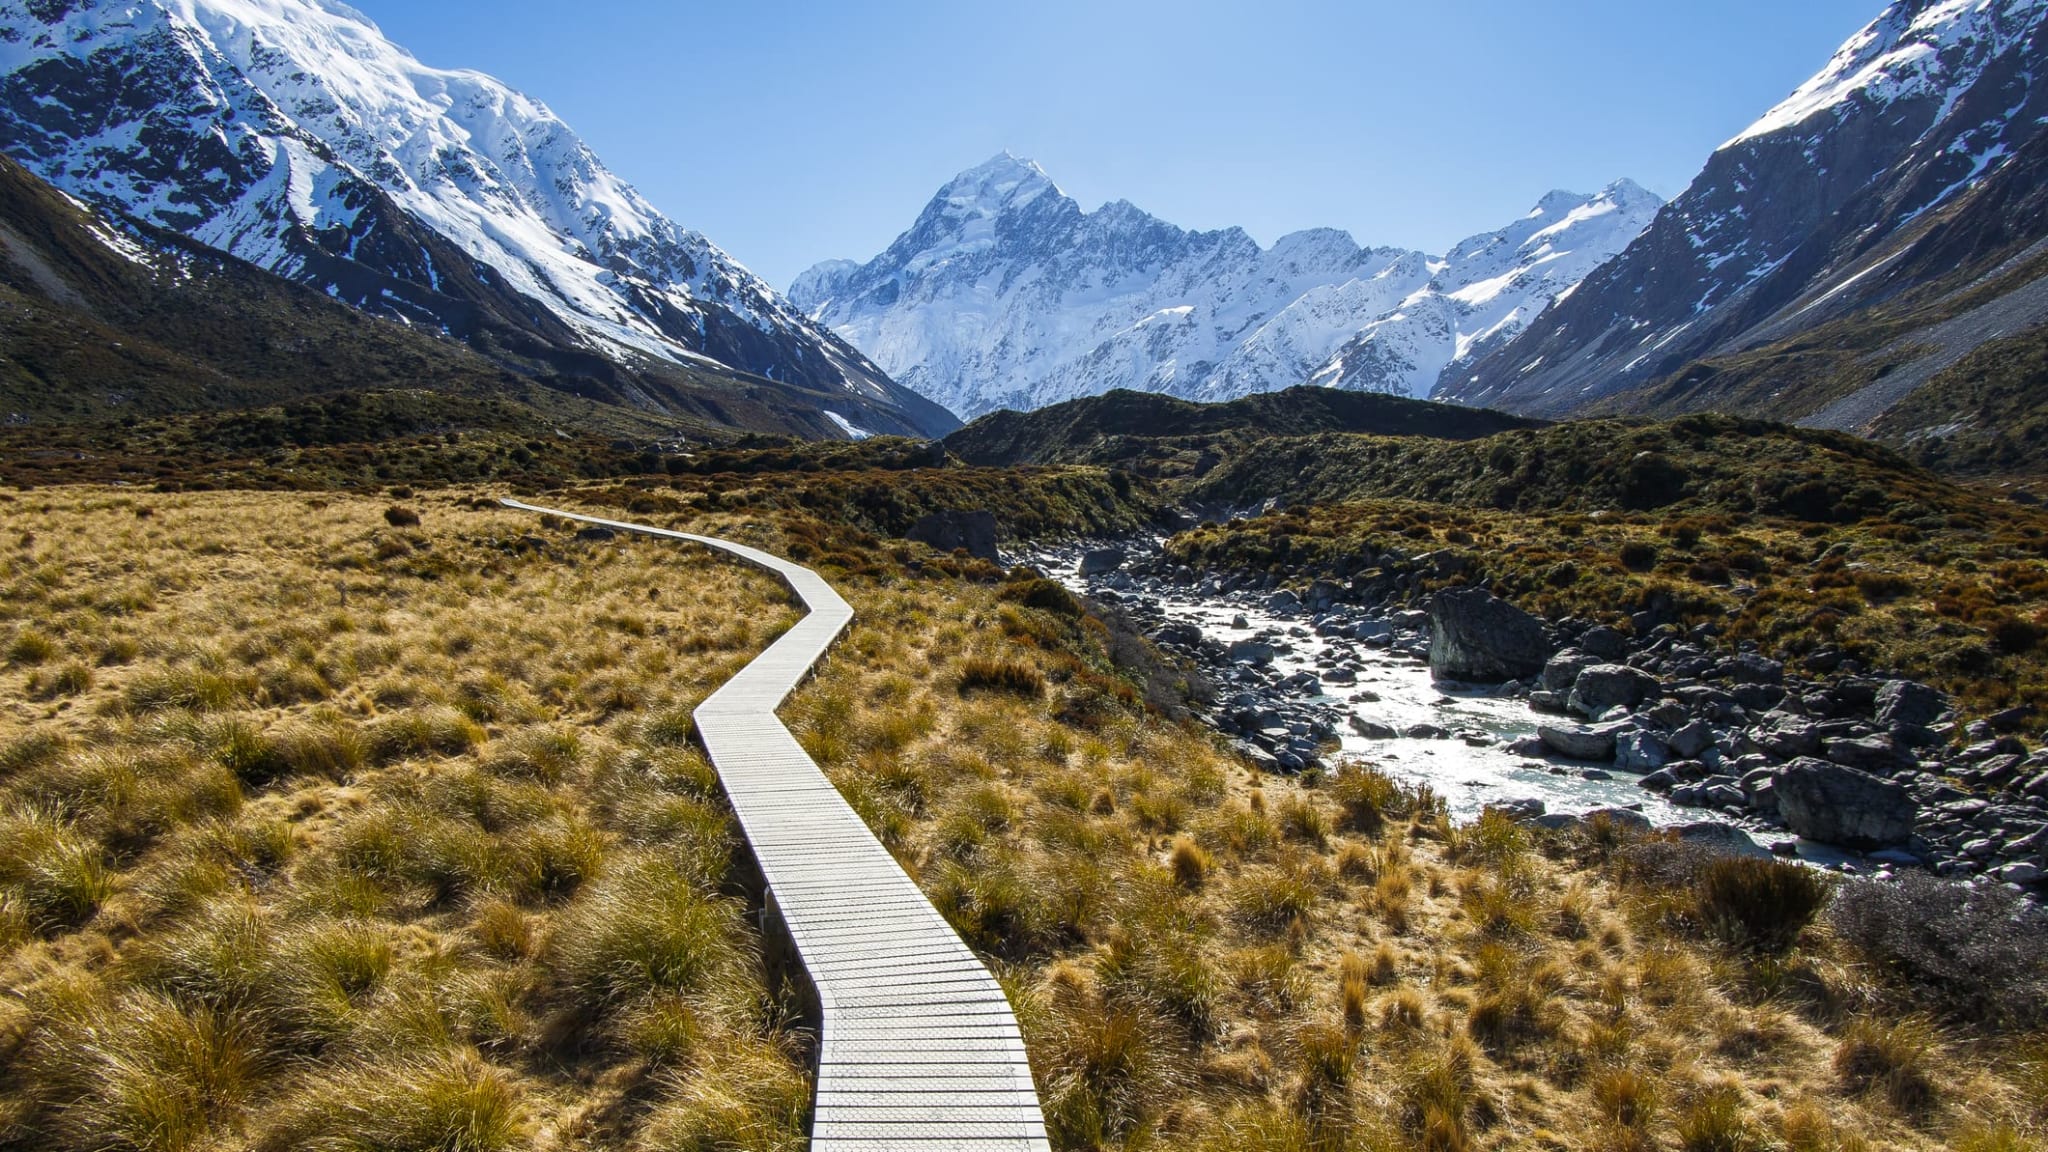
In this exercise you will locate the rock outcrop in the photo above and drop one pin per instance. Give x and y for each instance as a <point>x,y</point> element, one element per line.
<point>1478,637</point>
<point>951,530</point>
<point>1837,805</point>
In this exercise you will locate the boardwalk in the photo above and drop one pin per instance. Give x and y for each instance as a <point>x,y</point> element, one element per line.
<point>918,1049</point>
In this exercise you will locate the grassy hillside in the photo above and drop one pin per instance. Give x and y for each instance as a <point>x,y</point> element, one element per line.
<point>1162,436</point>
<point>439,868</point>
<point>1957,597</point>
<point>1694,464</point>
<point>1988,415</point>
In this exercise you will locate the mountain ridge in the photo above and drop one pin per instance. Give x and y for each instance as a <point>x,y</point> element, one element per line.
<point>294,135</point>
<point>1810,215</point>
<point>1005,293</point>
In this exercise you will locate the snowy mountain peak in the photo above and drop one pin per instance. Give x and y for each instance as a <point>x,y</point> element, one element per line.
<point>1001,180</point>
<point>1005,294</point>
<point>1779,231</point>
<point>1916,48</point>
<point>293,134</point>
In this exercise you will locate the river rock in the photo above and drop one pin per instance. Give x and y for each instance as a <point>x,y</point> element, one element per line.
<point>1662,780</point>
<point>946,531</point>
<point>1750,668</point>
<point>1564,668</point>
<point>1624,817</point>
<point>2019,872</point>
<point>1786,736</point>
<point>1713,792</point>
<point>1692,739</point>
<point>1904,703</point>
<point>1251,652</point>
<point>1603,686</point>
<point>1839,805</point>
<point>1640,752</point>
<point>1102,561</point>
<point>1604,642</point>
<point>1579,741</point>
<point>1478,637</point>
<point>1323,594</point>
<point>1868,754</point>
<point>1721,837</point>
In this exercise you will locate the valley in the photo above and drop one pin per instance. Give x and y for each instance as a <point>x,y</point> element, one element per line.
<point>1581,686</point>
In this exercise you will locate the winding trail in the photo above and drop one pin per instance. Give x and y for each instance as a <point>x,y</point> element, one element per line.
<point>918,1049</point>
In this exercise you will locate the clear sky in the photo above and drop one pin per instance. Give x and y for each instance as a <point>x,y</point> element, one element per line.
<point>792,131</point>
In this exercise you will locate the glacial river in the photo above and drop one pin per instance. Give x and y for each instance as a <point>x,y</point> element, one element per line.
<point>1397,691</point>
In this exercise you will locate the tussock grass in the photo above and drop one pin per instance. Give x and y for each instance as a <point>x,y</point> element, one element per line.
<point>358,835</point>
<point>440,867</point>
<point>1204,956</point>
<point>1761,904</point>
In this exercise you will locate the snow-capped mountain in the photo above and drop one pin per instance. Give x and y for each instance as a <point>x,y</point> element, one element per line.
<point>1853,192</point>
<point>1005,293</point>
<point>292,134</point>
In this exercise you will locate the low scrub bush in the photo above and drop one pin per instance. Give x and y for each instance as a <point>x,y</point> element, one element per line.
<point>1366,795</point>
<point>1715,1120</point>
<point>1976,954</point>
<point>442,1101</point>
<point>1046,595</point>
<point>442,731</point>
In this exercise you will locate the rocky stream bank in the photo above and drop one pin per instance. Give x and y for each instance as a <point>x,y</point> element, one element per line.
<point>1856,770</point>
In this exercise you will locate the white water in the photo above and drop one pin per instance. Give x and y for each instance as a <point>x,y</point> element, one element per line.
<point>1468,777</point>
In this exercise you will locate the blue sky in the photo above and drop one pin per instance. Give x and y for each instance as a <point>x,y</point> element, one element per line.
<point>790,131</point>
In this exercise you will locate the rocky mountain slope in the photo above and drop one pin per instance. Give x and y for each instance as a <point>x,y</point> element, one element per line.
<point>106,320</point>
<point>1134,430</point>
<point>293,135</point>
<point>1841,252</point>
<point>1005,293</point>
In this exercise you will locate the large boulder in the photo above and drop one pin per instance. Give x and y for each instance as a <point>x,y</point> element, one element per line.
<point>1838,805</point>
<point>1581,742</point>
<point>1869,754</point>
<point>1640,752</point>
<point>1905,704</point>
<point>1564,668</point>
<point>952,530</point>
<point>1251,652</point>
<point>1603,686</point>
<point>1102,561</point>
<point>1476,636</point>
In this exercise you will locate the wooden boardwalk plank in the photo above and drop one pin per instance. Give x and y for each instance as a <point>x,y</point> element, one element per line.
<point>918,1047</point>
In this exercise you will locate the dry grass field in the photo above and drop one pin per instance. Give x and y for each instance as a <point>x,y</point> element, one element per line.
<point>318,831</point>
<point>1207,957</point>
<point>440,868</point>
